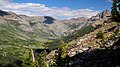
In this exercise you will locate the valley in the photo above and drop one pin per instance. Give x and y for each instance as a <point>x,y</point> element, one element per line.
<point>22,37</point>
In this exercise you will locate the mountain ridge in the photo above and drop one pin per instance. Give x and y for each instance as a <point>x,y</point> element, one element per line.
<point>46,27</point>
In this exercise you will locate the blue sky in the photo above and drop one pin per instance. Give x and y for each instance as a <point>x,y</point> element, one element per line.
<point>99,5</point>
<point>60,9</point>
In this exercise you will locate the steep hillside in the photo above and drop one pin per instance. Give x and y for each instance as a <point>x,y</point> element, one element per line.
<point>91,40</point>
<point>93,45</point>
<point>96,48</point>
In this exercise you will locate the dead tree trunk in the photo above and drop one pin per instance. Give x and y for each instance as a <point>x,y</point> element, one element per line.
<point>33,56</point>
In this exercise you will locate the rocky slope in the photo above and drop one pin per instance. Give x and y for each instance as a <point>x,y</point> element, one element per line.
<point>90,41</point>
<point>108,57</point>
<point>90,50</point>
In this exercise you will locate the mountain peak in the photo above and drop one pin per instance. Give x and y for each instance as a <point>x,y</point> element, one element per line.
<point>106,11</point>
<point>48,20</point>
<point>2,13</point>
<point>105,14</point>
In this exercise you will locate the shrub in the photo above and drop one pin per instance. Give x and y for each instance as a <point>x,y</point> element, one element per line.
<point>100,35</point>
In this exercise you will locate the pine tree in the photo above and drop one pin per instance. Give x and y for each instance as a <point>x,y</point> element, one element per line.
<point>41,59</point>
<point>27,61</point>
<point>116,10</point>
<point>61,59</point>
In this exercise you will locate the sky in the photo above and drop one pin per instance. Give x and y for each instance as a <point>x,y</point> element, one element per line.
<point>59,9</point>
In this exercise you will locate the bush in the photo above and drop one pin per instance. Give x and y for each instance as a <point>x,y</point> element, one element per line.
<point>100,35</point>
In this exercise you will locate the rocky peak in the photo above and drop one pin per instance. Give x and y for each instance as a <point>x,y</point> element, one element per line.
<point>104,14</point>
<point>2,13</point>
<point>8,15</point>
<point>48,20</point>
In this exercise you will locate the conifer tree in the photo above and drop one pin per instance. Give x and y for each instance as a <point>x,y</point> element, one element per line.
<point>41,60</point>
<point>27,61</point>
<point>116,10</point>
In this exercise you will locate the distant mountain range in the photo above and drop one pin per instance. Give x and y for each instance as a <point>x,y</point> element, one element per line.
<point>37,27</point>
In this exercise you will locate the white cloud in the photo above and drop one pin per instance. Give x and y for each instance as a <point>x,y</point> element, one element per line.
<point>34,9</point>
<point>108,0</point>
<point>3,1</point>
